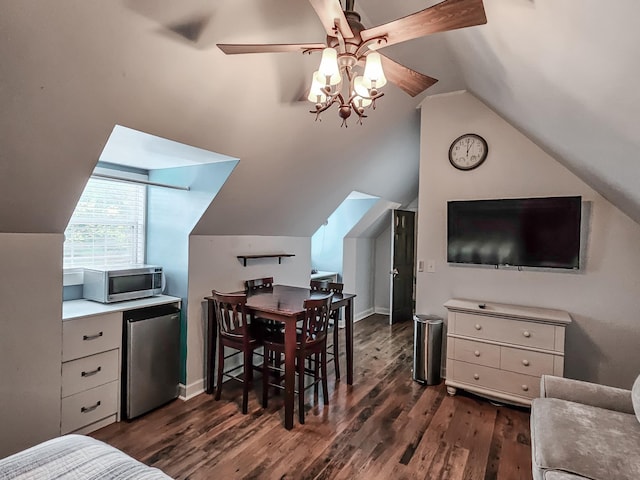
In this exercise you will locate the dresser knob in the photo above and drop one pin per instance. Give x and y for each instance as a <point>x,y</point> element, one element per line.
<point>476,376</point>
<point>526,334</point>
<point>525,363</point>
<point>478,327</point>
<point>476,353</point>
<point>525,388</point>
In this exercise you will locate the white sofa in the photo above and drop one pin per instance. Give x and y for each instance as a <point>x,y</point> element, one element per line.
<point>583,430</point>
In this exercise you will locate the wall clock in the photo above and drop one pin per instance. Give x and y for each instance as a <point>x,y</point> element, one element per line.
<point>468,151</point>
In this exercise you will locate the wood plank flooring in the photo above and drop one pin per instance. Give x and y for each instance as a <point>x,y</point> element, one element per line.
<point>385,426</point>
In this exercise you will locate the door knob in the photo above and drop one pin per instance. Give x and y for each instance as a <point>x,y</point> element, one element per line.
<point>394,272</point>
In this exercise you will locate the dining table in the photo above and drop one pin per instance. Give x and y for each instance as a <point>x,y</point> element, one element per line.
<point>285,304</point>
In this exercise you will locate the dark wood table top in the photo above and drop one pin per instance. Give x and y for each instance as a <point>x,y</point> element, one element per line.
<point>287,300</point>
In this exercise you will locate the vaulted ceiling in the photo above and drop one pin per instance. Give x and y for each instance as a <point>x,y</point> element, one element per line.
<point>564,72</point>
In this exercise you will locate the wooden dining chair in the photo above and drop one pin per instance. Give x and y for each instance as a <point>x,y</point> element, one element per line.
<point>311,342</point>
<point>258,284</point>
<point>235,331</point>
<point>333,350</point>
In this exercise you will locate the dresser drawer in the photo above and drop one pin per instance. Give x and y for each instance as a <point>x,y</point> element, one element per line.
<point>89,406</point>
<point>474,352</point>
<point>525,361</point>
<point>517,332</point>
<point>494,379</point>
<point>89,335</point>
<point>89,372</point>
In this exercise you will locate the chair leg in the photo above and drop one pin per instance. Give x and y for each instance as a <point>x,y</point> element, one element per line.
<point>265,377</point>
<point>301,389</point>
<point>316,372</point>
<point>220,369</point>
<point>323,361</point>
<point>246,384</point>
<point>336,351</point>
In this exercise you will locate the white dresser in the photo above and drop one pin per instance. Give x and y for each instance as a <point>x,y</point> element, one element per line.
<point>500,351</point>
<point>92,361</point>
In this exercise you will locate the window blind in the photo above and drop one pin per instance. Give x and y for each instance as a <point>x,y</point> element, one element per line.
<point>107,227</point>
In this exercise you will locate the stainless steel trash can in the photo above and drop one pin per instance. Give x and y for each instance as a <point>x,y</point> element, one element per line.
<point>427,348</point>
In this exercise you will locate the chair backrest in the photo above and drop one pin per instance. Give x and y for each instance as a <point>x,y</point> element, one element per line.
<point>258,284</point>
<point>316,319</point>
<point>326,286</point>
<point>231,315</point>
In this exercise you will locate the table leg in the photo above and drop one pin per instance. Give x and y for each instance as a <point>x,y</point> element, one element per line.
<point>348,320</point>
<point>211,346</point>
<point>289,371</point>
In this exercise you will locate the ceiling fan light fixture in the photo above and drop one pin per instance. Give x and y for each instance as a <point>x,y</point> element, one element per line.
<point>316,92</point>
<point>360,86</point>
<point>329,64</point>
<point>373,72</point>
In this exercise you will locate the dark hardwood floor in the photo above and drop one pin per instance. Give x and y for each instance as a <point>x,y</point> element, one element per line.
<point>385,426</point>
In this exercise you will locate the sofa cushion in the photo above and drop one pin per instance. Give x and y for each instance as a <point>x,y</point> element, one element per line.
<point>556,475</point>
<point>635,397</point>
<point>589,441</point>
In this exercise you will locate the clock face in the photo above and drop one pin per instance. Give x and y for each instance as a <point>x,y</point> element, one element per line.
<point>468,151</point>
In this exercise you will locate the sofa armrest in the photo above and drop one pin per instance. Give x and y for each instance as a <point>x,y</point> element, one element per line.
<point>596,395</point>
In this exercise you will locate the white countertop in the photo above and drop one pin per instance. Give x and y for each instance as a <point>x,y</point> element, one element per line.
<point>86,308</point>
<point>320,274</point>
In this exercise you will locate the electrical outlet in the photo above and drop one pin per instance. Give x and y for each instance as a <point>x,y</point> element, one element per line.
<point>421,265</point>
<point>431,266</point>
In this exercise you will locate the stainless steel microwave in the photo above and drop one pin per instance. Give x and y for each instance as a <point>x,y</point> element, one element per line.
<point>113,284</point>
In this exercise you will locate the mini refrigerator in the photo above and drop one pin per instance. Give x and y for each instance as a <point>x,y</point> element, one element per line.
<point>151,359</point>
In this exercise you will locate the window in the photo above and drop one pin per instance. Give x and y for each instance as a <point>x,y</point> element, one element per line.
<point>108,225</point>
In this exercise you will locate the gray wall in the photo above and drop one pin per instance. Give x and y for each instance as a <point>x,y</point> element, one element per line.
<point>30,339</point>
<point>602,298</point>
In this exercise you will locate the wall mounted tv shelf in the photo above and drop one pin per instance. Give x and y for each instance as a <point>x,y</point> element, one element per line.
<point>279,256</point>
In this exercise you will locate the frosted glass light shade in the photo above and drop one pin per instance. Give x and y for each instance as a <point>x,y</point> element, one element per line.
<point>373,70</point>
<point>362,102</point>
<point>360,86</point>
<point>316,95</point>
<point>329,63</point>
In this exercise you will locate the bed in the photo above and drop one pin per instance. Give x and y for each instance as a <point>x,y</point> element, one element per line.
<point>75,457</point>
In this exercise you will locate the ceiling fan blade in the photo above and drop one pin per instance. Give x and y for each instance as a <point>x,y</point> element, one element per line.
<point>330,13</point>
<point>447,15</point>
<point>233,49</point>
<point>410,81</point>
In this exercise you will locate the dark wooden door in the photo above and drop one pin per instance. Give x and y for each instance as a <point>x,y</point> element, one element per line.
<point>403,261</point>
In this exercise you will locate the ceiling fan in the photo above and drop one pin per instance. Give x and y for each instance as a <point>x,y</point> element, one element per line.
<point>350,46</point>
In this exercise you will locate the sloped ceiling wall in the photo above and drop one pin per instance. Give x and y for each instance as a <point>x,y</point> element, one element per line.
<point>564,72</point>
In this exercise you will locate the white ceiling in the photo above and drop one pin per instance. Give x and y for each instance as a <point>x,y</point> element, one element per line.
<point>563,71</point>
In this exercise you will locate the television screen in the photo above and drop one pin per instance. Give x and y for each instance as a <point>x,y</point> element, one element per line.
<point>527,232</point>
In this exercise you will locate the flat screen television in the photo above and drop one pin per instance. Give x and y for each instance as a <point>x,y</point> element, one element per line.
<point>523,232</point>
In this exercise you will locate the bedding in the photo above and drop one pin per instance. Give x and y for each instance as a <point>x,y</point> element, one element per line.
<point>75,457</point>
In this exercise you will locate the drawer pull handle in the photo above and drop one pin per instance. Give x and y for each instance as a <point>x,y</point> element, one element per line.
<point>526,334</point>
<point>476,353</point>
<point>525,363</point>
<point>525,388</point>
<point>92,337</point>
<point>478,326</point>
<point>92,372</point>
<point>476,376</point>
<point>91,408</point>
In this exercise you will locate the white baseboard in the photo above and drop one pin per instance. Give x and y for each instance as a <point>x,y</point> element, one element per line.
<point>382,310</point>
<point>189,391</point>
<point>364,314</point>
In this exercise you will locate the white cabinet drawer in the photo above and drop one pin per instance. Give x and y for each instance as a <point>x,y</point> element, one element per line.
<point>89,372</point>
<point>489,378</point>
<point>474,352</point>
<point>525,361</point>
<point>89,406</point>
<point>89,335</point>
<point>517,332</point>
